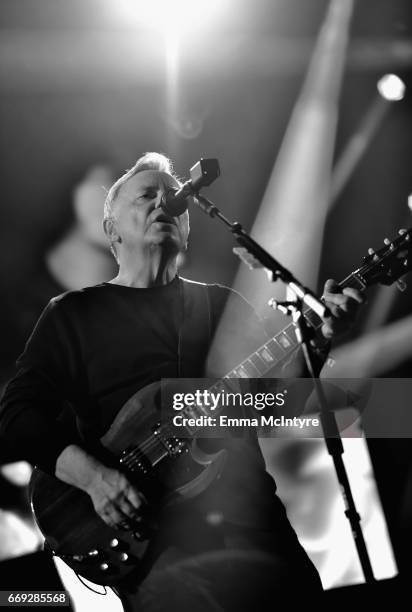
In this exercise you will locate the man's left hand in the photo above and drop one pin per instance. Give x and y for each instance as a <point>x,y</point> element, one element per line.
<point>344,306</point>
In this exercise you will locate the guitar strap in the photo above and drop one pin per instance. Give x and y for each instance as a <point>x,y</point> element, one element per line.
<point>195,329</point>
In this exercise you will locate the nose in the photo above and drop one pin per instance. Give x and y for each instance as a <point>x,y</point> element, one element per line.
<point>160,199</point>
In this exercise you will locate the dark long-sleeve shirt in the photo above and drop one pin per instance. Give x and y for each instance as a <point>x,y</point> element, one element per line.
<point>91,350</point>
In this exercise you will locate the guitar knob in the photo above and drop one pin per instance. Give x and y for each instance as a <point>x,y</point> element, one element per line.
<point>123,557</point>
<point>78,558</point>
<point>104,567</point>
<point>114,543</point>
<point>93,553</point>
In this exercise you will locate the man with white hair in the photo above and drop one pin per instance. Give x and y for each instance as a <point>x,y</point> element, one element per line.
<point>93,349</point>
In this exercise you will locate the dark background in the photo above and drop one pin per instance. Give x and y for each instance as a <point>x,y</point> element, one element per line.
<point>80,84</point>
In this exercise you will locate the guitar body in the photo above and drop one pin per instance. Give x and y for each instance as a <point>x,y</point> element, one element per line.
<point>66,515</point>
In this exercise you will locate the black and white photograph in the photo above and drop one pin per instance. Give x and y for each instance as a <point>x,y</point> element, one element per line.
<point>206,306</point>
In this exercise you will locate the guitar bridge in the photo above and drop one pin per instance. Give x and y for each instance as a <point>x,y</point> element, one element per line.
<point>174,446</point>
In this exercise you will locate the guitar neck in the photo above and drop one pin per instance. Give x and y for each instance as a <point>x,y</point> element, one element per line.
<point>384,266</point>
<point>266,357</point>
<point>278,348</point>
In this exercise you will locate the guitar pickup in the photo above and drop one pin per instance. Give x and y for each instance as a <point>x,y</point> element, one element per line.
<point>174,446</point>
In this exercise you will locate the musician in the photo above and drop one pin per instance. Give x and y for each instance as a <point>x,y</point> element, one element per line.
<point>93,349</point>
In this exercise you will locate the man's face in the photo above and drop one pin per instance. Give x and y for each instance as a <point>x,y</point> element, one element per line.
<point>140,220</point>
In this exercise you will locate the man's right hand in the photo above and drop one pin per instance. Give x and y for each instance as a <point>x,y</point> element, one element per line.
<point>114,498</point>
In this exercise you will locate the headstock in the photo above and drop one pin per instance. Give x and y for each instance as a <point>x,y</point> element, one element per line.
<point>388,264</point>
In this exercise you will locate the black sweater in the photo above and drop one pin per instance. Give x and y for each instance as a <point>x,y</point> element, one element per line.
<point>93,349</point>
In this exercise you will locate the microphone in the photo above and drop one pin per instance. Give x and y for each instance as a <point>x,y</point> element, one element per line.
<point>174,201</point>
<point>202,174</point>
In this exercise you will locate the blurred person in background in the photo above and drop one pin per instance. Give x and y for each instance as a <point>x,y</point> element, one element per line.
<point>230,547</point>
<point>78,257</point>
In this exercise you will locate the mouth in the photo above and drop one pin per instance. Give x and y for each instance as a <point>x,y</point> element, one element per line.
<point>163,218</point>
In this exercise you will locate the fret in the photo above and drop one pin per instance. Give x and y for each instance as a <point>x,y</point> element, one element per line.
<point>284,341</point>
<point>218,387</point>
<point>355,281</point>
<point>266,356</point>
<point>258,363</point>
<point>289,331</point>
<point>230,385</point>
<point>276,349</point>
<point>202,410</point>
<point>251,370</point>
<point>191,430</point>
<point>312,318</point>
<point>240,372</point>
<point>194,412</point>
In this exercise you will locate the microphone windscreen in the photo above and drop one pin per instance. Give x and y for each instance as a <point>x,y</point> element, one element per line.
<point>174,206</point>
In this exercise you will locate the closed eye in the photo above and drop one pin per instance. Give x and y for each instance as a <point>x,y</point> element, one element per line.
<point>148,195</point>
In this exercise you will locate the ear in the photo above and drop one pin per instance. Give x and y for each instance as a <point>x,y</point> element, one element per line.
<point>110,229</point>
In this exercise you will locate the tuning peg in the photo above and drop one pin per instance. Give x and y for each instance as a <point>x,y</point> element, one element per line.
<point>401,285</point>
<point>372,252</point>
<point>402,231</point>
<point>386,241</point>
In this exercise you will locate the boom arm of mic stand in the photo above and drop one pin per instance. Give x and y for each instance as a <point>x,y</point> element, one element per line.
<point>330,428</point>
<point>264,258</point>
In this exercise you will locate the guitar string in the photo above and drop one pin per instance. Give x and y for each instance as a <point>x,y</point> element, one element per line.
<point>139,452</point>
<point>153,440</point>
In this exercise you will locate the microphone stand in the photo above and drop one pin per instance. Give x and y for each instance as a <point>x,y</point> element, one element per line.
<point>255,256</point>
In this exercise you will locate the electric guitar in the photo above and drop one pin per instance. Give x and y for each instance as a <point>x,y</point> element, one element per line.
<point>164,467</point>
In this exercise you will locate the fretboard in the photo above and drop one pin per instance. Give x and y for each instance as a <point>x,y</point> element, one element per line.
<point>268,356</point>
<point>381,267</point>
<point>276,350</point>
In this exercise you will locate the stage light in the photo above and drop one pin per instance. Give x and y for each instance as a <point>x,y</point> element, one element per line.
<point>168,16</point>
<point>391,87</point>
